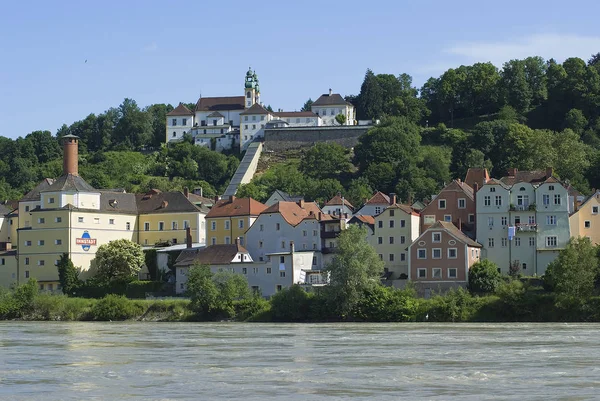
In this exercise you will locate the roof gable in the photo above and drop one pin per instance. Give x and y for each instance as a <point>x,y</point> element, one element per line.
<point>164,202</point>
<point>180,110</point>
<point>338,201</point>
<point>34,194</point>
<point>255,109</point>
<point>295,212</point>
<point>70,183</point>
<point>379,198</point>
<point>452,230</point>
<point>334,99</point>
<point>236,207</point>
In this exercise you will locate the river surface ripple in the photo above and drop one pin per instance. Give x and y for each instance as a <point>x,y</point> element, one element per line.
<point>234,361</point>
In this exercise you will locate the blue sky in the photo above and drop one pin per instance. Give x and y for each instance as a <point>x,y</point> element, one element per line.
<point>154,52</point>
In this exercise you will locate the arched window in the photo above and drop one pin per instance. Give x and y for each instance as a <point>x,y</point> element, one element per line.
<point>248,94</point>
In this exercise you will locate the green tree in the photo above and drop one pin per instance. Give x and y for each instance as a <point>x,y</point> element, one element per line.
<point>324,160</point>
<point>307,105</point>
<point>202,290</point>
<point>231,287</point>
<point>370,99</point>
<point>340,119</point>
<point>355,268</point>
<point>119,259</point>
<point>68,275</point>
<point>484,277</point>
<point>291,304</point>
<point>575,120</point>
<point>573,273</point>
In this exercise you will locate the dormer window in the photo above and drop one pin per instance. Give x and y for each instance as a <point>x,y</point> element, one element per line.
<point>492,189</point>
<point>550,187</point>
<point>522,189</point>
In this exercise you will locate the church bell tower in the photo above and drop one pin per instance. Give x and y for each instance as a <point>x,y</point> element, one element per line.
<point>251,89</point>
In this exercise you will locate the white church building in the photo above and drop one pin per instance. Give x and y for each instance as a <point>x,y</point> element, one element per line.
<point>221,123</point>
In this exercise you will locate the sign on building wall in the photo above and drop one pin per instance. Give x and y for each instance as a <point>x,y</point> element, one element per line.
<point>85,241</point>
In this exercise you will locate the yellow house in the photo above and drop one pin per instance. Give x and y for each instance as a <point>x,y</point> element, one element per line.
<point>230,218</point>
<point>585,222</point>
<point>8,267</point>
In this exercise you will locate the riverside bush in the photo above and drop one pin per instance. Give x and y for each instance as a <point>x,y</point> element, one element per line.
<point>115,307</point>
<point>291,305</point>
<point>387,304</point>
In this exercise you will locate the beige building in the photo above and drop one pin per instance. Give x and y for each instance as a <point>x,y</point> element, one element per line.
<point>585,221</point>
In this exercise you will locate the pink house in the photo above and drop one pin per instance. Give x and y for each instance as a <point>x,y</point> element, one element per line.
<point>440,258</point>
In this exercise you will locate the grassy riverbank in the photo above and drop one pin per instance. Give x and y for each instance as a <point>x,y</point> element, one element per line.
<point>514,302</point>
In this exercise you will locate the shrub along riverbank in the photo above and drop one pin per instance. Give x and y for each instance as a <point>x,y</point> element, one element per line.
<point>512,302</point>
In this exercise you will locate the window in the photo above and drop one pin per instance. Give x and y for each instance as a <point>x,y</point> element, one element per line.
<point>594,209</point>
<point>213,225</point>
<point>402,223</point>
<point>184,121</point>
<point>422,273</point>
<point>278,287</point>
<point>304,233</point>
<point>161,226</point>
<point>255,270</point>
<point>174,121</point>
<point>587,224</point>
<point>448,218</point>
<point>380,240</point>
<point>452,253</point>
<point>402,257</point>
<point>50,200</point>
<point>111,221</point>
<point>96,220</point>
<point>452,272</point>
<point>245,118</point>
<point>436,272</point>
<point>380,256</point>
<point>551,220</point>
<point>314,233</point>
<point>523,200</point>
<point>391,240</point>
<point>27,271</point>
<point>391,257</point>
<point>492,189</point>
<point>213,241</point>
<point>41,262</point>
<point>80,219</point>
<point>186,224</point>
<point>57,242</point>
<point>391,213</point>
<point>487,200</point>
<point>462,203</point>
<point>282,274</point>
<point>26,208</point>
<point>268,270</point>
<point>283,245</point>
<point>436,237</point>
<point>41,242</point>
<point>441,203</point>
<point>253,126</point>
<point>436,253</point>
<point>498,200</point>
<point>380,224</point>
<point>227,224</point>
<point>128,226</point>
<point>517,241</point>
<point>504,242</point>
<point>531,219</point>
<point>490,221</point>
<point>42,220</point>
<point>173,225</point>
<point>244,270</point>
<point>490,242</point>
<point>524,266</point>
<point>58,219</point>
<point>2,261</point>
<point>531,241</point>
<point>174,134</point>
<point>391,223</point>
<point>27,243</point>
<point>27,262</point>
<point>421,253</point>
<point>241,240</point>
<point>551,241</point>
<point>277,226</point>
<point>146,226</point>
<point>241,223</point>
<point>377,209</point>
<point>471,218</point>
<point>557,199</point>
<point>546,199</point>
<point>517,220</point>
<point>402,239</point>
<point>503,220</point>
<point>314,261</point>
<point>551,187</point>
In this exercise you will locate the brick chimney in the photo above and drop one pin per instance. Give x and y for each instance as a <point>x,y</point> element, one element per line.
<point>231,198</point>
<point>186,192</point>
<point>188,237</point>
<point>301,203</point>
<point>549,172</point>
<point>475,187</point>
<point>392,198</point>
<point>237,241</point>
<point>70,155</point>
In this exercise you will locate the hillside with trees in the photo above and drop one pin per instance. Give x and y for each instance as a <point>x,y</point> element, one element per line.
<point>529,114</point>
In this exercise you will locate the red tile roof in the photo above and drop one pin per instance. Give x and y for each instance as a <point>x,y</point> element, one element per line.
<point>379,199</point>
<point>455,232</point>
<point>338,200</point>
<point>180,110</point>
<point>294,213</point>
<point>236,207</point>
<point>477,175</point>
<point>405,208</point>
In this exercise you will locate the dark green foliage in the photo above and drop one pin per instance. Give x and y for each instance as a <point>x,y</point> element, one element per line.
<point>325,160</point>
<point>151,264</point>
<point>139,289</point>
<point>291,305</point>
<point>484,277</point>
<point>68,275</point>
<point>386,304</point>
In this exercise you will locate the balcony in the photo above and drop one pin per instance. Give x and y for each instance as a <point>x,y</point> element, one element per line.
<point>330,234</point>
<point>327,250</point>
<point>527,228</point>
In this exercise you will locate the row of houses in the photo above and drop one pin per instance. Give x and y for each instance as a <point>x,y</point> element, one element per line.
<point>519,221</point>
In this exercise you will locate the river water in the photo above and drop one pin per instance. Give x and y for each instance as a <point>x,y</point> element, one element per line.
<point>233,361</point>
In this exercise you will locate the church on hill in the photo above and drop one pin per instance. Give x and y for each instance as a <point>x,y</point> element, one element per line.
<point>222,123</point>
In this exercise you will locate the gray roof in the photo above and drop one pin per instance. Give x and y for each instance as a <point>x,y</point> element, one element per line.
<point>165,202</point>
<point>4,210</point>
<point>222,254</point>
<point>118,202</point>
<point>216,114</point>
<point>70,183</point>
<point>285,197</point>
<point>335,99</point>
<point>34,194</point>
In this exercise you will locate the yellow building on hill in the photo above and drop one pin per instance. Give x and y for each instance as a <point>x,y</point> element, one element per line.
<point>230,219</point>
<point>67,215</point>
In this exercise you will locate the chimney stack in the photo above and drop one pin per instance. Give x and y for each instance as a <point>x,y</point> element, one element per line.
<point>231,198</point>
<point>216,198</point>
<point>301,203</point>
<point>237,241</point>
<point>330,92</point>
<point>392,198</point>
<point>70,155</point>
<point>188,237</point>
<point>460,224</point>
<point>549,172</point>
<point>475,187</point>
<point>186,192</point>
<point>320,216</point>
